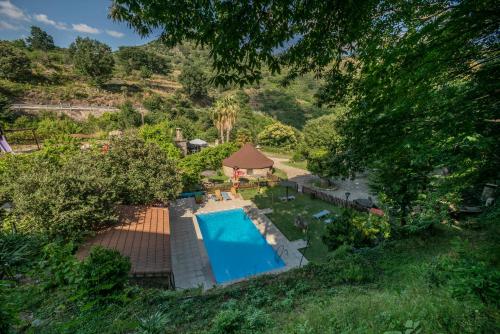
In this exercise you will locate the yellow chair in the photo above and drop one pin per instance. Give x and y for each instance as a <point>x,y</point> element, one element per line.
<point>218,195</point>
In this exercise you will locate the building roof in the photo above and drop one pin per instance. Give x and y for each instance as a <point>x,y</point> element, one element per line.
<point>248,157</point>
<point>198,142</point>
<point>143,235</point>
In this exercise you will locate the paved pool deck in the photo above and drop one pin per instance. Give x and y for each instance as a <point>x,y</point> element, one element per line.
<point>190,261</point>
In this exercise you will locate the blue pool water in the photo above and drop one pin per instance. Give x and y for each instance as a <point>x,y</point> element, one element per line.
<point>235,247</point>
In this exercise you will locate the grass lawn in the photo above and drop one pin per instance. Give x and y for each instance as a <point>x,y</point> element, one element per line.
<point>297,164</point>
<point>284,214</point>
<point>281,174</point>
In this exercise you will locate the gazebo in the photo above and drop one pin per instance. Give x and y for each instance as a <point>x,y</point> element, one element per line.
<point>247,162</point>
<point>196,145</point>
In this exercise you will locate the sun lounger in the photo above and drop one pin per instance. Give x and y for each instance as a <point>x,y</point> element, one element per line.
<point>218,195</point>
<point>289,198</point>
<point>226,196</point>
<point>321,214</point>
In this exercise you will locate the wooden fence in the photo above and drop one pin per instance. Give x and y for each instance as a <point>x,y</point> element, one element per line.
<point>333,199</point>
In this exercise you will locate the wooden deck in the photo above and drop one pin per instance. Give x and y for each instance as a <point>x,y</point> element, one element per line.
<point>143,235</point>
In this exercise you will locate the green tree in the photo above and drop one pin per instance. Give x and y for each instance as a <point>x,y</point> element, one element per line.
<point>324,147</point>
<point>224,114</point>
<point>194,81</point>
<point>137,58</point>
<point>61,199</point>
<point>92,59</point>
<point>14,64</point>
<point>128,116</point>
<point>142,173</point>
<point>40,40</point>
<point>418,77</point>
<point>278,135</point>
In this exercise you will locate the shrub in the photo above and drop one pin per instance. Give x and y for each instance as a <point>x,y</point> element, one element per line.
<point>160,134</point>
<point>278,135</point>
<point>141,173</point>
<point>58,265</point>
<point>102,274</point>
<point>14,64</point>
<point>208,158</point>
<point>16,251</point>
<point>356,230</point>
<point>61,198</point>
<point>153,324</point>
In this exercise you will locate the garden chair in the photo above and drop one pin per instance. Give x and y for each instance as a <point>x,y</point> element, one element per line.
<point>226,196</point>
<point>321,214</point>
<point>218,195</point>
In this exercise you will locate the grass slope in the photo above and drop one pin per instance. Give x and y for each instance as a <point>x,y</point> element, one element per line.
<point>308,300</point>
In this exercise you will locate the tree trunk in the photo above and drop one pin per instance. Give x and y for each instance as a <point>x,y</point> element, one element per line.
<point>222,135</point>
<point>228,130</point>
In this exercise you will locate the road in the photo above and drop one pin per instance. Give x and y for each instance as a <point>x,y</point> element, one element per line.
<point>358,188</point>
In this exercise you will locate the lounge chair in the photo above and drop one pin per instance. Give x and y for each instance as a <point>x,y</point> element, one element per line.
<point>234,192</point>
<point>226,196</point>
<point>218,195</point>
<point>321,214</point>
<point>285,198</point>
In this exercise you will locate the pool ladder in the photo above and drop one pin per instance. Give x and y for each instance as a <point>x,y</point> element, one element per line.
<point>280,251</point>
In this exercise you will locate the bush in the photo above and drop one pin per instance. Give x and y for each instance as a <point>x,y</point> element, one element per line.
<point>355,230</point>
<point>141,172</point>
<point>102,274</point>
<point>60,197</point>
<point>161,135</point>
<point>278,135</point>
<point>136,58</point>
<point>58,265</point>
<point>17,251</point>
<point>14,64</point>
<point>208,158</point>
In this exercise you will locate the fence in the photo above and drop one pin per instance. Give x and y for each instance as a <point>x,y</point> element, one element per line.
<point>333,199</point>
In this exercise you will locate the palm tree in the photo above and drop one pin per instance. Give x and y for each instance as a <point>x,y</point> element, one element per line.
<point>224,115</point>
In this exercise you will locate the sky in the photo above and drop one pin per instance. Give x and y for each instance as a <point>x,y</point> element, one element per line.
<point>65,20</point>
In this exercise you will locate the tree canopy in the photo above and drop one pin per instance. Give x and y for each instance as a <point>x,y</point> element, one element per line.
<point>93,59</point>
<point>40,40</point>
<point>419,79</point>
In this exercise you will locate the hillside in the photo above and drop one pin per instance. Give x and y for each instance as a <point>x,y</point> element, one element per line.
<point>55,81</point>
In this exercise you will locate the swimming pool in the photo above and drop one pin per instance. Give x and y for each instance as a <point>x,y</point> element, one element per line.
<point>235,247</point>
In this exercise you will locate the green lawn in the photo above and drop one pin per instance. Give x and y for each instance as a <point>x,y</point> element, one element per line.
<point>284,214</point>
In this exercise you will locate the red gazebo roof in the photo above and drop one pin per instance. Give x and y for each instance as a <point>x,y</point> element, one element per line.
<point>248,157</point>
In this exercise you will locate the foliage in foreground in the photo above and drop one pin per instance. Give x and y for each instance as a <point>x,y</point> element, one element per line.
<point>373,291</point>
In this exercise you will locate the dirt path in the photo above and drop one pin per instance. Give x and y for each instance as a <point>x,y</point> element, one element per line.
<point>358,188</point>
